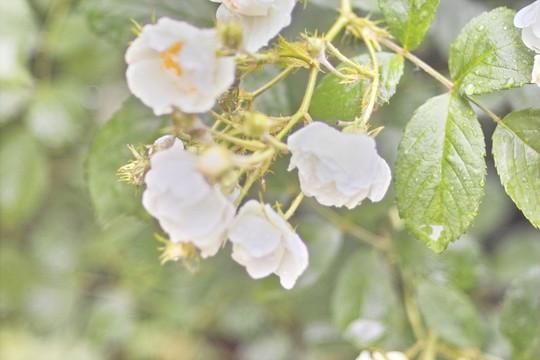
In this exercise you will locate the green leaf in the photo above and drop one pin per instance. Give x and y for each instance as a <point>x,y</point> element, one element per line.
<point>333,100</point>
<point>451,314</point>
<point>324,240</point>
<point>113,19</point>
<point>489,55</point>
<point>440,170</point>
<point>133,124</point>
<point>24,176</point>
<point>520,315</point>
<point>274,101</point>
<point>409,20</point>
<point>516,150</point>
<point>364,301</point>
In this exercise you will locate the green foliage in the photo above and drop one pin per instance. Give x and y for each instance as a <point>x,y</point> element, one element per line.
<point>516,150</point>
<point>334,100</point>
<point>363,303</point>
<point>489,55</point>
<point>113,19</point>
<point>133,124</point>
<point>440,170</point>
<point>520,314</point>
<point>24,177</point>
<point>450,314</point>
<point>409,20</point>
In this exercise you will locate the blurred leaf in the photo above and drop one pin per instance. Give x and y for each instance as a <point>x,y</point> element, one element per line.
<point>440,170</point>
<point>324,241</point>
<point>409,20</point>
<point>24,177</point>
<point>489,55</point>
<point>364,301</point>
<point>366,5</point>
<point>273,102</point>
<point>333,100</point>
<point>112,19</point>
<point>132,124</point>
<point>516,150</point>
<point>451,314</point>
<point>520,315</point>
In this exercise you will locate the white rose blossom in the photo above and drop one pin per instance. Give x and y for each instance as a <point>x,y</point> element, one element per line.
<point>391,355</point>
<point>187,207</point>
<point>528,19</point>
<point>174,64</point>
<point>260,20</point>
<point>264,243</point>
<point>536,71</point>
<point>338,168</point>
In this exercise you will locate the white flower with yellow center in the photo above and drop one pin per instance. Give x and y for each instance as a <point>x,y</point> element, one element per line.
<point>260,20</point>
<point>528,19</point>
<point>337,168</point>
<point>174,64</point>
<point>187,207</point>
<point>265,243</point>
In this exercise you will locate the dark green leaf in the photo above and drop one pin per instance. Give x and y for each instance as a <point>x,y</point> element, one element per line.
<point>409,20</point>
<point>489,55</point>
<point>440,170</point>
<point>516,149</point>
<point>24,176</point>
<point>451,314</point>
<point>113,19</point>
<point>133,124</point>
<point>363,300</point>
<point>520,315</point>
<point>333,100</point>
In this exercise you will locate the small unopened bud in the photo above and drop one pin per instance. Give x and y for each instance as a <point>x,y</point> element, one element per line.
<point>214,162</point>
<point>255,124</point>
<point>315,47</point>
<point>162,143</point>
<point>230,34</point>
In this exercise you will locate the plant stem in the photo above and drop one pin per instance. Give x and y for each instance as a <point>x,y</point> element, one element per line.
<point>413,315</point>
<point>374,88</point>
<point>486,110</point>
<point>248,144</point>
<point>417,61</point>
<point>294,205</point>
<point>430,351</point>
<point>272,82</point>
<point>304,107</point>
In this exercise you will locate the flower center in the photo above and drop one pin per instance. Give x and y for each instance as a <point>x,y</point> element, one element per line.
<point>168,61</point>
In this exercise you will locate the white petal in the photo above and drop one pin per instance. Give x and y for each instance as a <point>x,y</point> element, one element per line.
<point>536,71</point>
<point>381,182</point>
<point>364,355</point>
<point>260,267</point>
<point>255,235</point>
<point>140,50</point>
<point>530,39</point>
<point>526,16</point>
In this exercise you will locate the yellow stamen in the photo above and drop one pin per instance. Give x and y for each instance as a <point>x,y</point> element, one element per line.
<point>168,61</point>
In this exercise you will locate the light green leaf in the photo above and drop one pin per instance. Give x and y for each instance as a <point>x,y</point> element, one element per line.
<point>516,150</point>
<point>451,314</point>
<point>440,170</point>
<point>133,124</point>
<point>333,100</point>
<point>520,315</point>
<point>489,55</point>
<point>24,177</point>
<point>364,301</point>
<point>324,240</point>
<point>409,20</point>
<point>113,19</point>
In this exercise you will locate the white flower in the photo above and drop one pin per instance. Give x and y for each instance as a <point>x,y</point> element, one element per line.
<point>174,64</point>
<point>187,207</point>
<point>528,19</point>
<point>264,243</point>
<point>260,20</point>
<point>392,355</point>
<point>339,169</point>
<point>536,71</point>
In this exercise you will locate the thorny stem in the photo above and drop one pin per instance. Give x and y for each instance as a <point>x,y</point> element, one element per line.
<point>374,88</point>
<point>272,82</point>
<point>251,180</point>
<point>417,61</point>
<point>486,110</point>
<point>304,107</point>
<point>294,205</point>
<point>248,144</point>
<point>361,69</point>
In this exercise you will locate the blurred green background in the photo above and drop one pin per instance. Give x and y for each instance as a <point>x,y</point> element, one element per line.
<point>74,289</point>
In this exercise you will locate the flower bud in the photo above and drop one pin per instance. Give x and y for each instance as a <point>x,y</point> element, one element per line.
<point>230,34</point>
<point>255,124</point>
<point>214,162</point>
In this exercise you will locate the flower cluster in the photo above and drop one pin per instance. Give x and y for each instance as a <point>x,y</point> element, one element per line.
<point>194,185</point>
<point>528,19</point>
